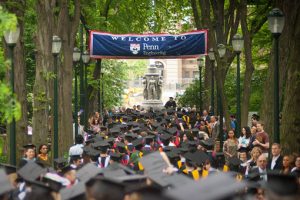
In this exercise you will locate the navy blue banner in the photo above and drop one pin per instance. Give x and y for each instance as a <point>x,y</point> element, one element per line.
<point>106,45</point>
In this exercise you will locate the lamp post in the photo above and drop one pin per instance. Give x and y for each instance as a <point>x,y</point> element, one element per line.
<point>56,46</point>
<point>238,45</point>
<point>199,61</point>
<point>98,65</point>
<point>211,56</point>
<point>11,38</point>
<point>221,51</point>
<point>102,92</point>
<point>86,60</point>
<point>276,24</point>
<point>76,59</point>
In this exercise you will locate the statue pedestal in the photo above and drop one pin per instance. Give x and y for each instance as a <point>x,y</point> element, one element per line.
<point>155,104</point>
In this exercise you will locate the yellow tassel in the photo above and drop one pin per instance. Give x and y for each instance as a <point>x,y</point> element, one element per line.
<point>204,173</point>
<point>195,174</point>
<point>225,168</point>
<point>141,167</point>
<point>179,164</point>
<point>141,154</point>
<point>239,177</point>
<point>185,171</point>
<point>126,148</point>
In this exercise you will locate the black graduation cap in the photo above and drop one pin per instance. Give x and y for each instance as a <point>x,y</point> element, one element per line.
<point>103,128</point>
<point>5,185</point>
<point>115,157</point>
<point>168,118</point>
<point>87,149</point>
<point>138,143</point>
<point>149,137</point>
<point>115,131</point>
<point>195,131</point>
<point>122,126</point>
<point>106,188</point>
<point>128,180</point>
<point>168,148</point>
<point>38,187</point>
<point>93,153</point>
<point>216,186</point>
<point>103,145</point>
<point>113,170</point>
<point>66,169</point>
<point>172,154</point>
<point>136,129</point>
<point>75,157</point>
<point>31,171</point>
<point>29,146</point>
<point>234,161</point>
<point>208,144</point>
<point>183,149</point>
<point>75,191</point>
<point>170,111</point>
<point>9,169</point>
<point>60,162</point>
<point>243,149</point>
<point>110,140</point>
<point>165,137</point>
<point>172,130</point>
<point>282,184</point>
<point>254,176</point>
<point>179,114</point>
<point>53,181</point>
<point>201,157</point>
<point>98,138</point>
<point>87,172</point>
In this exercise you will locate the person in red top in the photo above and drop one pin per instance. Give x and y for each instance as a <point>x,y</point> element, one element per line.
<point>262,139</point>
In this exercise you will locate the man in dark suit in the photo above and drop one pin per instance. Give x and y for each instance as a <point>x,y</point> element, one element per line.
<point>259,172</point>
<point>275,163</point>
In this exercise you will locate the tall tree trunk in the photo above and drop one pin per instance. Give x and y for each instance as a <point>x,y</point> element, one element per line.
<point>249,65</point>
<point>287,53</point>
<point>44,67</point>
<point>290,51</point>
<point>20,80</point>
<point>67,27</point>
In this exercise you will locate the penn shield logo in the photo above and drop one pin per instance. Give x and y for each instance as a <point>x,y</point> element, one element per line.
<point>135,48</point>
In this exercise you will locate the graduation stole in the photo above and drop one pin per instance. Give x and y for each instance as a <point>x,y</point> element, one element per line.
<point>225,168</point>
<point>106,162</point>
<point>186,119</point>
<point>195,173</point>
<point>141,167</point>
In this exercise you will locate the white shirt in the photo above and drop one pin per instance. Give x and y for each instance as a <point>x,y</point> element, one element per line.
<point>273,163</point>
<point>76,150</point>
<point>263,173</point>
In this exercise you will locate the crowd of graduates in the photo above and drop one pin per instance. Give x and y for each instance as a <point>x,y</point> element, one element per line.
<point>134,154</point>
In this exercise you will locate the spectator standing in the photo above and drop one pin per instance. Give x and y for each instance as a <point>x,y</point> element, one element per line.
<point>230,146</point>
<point>171,103</point>
<point>244,139</point>
<point>262,139</point>
<point>275,163</point>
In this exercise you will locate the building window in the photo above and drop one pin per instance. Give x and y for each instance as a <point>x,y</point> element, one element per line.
<point>195,74</point>
<point>186,74</point>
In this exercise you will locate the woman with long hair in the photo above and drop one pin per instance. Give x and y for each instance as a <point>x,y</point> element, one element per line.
<point>244,139</point>
<point>286,165</point>
<point>255,153</point>
<point>230,146</point>
<point>43,153</point>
